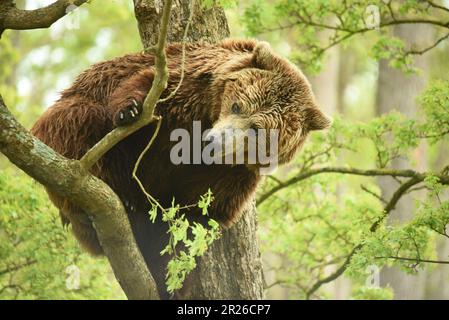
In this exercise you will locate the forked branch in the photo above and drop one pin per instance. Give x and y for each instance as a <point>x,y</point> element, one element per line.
<point>158,86</point>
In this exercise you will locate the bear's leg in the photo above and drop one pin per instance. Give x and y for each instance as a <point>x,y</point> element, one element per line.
<point>82,227</point>
<point>85,233</point>
<point>127,100</point>
<point>71,127</point>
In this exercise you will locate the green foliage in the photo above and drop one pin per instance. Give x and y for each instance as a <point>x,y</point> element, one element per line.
<point>435,102</point>
<point>318,25</point>
<point>193,239</point>
<point>393,49</point>
<point>38,258</point>
<point>314,229</point>
<point>7,54</point>
<point>8,61</point>
<point>367,293</point>
<point>391,135</point>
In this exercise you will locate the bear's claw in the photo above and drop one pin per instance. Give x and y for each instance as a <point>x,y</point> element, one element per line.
<point>130,208</point>
<point>129,114</point>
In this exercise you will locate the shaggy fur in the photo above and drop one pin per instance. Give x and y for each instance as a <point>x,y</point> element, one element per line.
<point>270,91</point>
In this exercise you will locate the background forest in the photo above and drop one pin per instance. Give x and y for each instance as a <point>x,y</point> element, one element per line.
<point>361,213</point>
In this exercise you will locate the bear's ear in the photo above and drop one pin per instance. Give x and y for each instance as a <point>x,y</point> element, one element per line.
<point>263,57</point>
<point>316,120</point>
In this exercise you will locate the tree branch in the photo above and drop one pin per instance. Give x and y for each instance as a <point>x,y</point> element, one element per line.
<point>416,260</point>
<point>9,286</point>
<point>69,179</point>
<point>158,86</point>
<point>400,191</point>
<point>17,267</point>
<point>437,6</point>
<point>348,32</point>
<point>352,171</point>
<point>374,194</point>
<point>334,275</point>
<point>436,43</point>
<point>13,18</point>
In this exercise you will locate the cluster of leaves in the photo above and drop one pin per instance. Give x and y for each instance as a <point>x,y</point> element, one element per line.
<point>316,230</point>
<point>187,240</point>
<point>317,25</point>
<point>435,102</point>
<point>38,258</point>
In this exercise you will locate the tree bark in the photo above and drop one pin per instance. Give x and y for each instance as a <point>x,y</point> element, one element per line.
<point>13,18</point>
<point>231,268</point>
<point>208,24</point>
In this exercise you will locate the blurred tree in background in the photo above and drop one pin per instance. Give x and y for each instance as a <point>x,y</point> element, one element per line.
<point>328,222</point>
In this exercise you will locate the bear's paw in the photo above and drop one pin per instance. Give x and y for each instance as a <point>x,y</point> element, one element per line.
<point>128,114</point>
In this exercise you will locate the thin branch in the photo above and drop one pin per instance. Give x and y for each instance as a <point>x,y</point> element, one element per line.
<point>436,43</point>
<point>9,286</point>
<point>437,6</point>
<point>353,32</point>
<point>403,188</point>
<point>334,275</point>
<point>150,198</point>
<point>416,260</point>
<point>158,86</point>
<point>17,267</point>
<point>418,188</point>
<point>391,205</point>
<point>348,33</point>
<point>343,170</point>
<point>328,263</point>
<point>183,59</point>
<point>274,179</point>
<point>442,232</point>
<point>275,283</point>
<point>375,195</point>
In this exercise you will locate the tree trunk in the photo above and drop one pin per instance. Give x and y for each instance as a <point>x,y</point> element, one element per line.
<point>231,269</point>
<point>398,91</point>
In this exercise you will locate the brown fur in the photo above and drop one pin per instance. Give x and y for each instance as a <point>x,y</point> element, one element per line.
<point>272,94</point>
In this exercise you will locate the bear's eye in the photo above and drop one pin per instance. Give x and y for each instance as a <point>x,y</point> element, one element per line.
<point>235,108</point>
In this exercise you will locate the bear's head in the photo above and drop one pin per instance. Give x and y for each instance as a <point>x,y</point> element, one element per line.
<point>265,91</point>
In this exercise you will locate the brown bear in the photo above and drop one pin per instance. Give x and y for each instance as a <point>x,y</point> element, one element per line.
<point>233,84</point>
